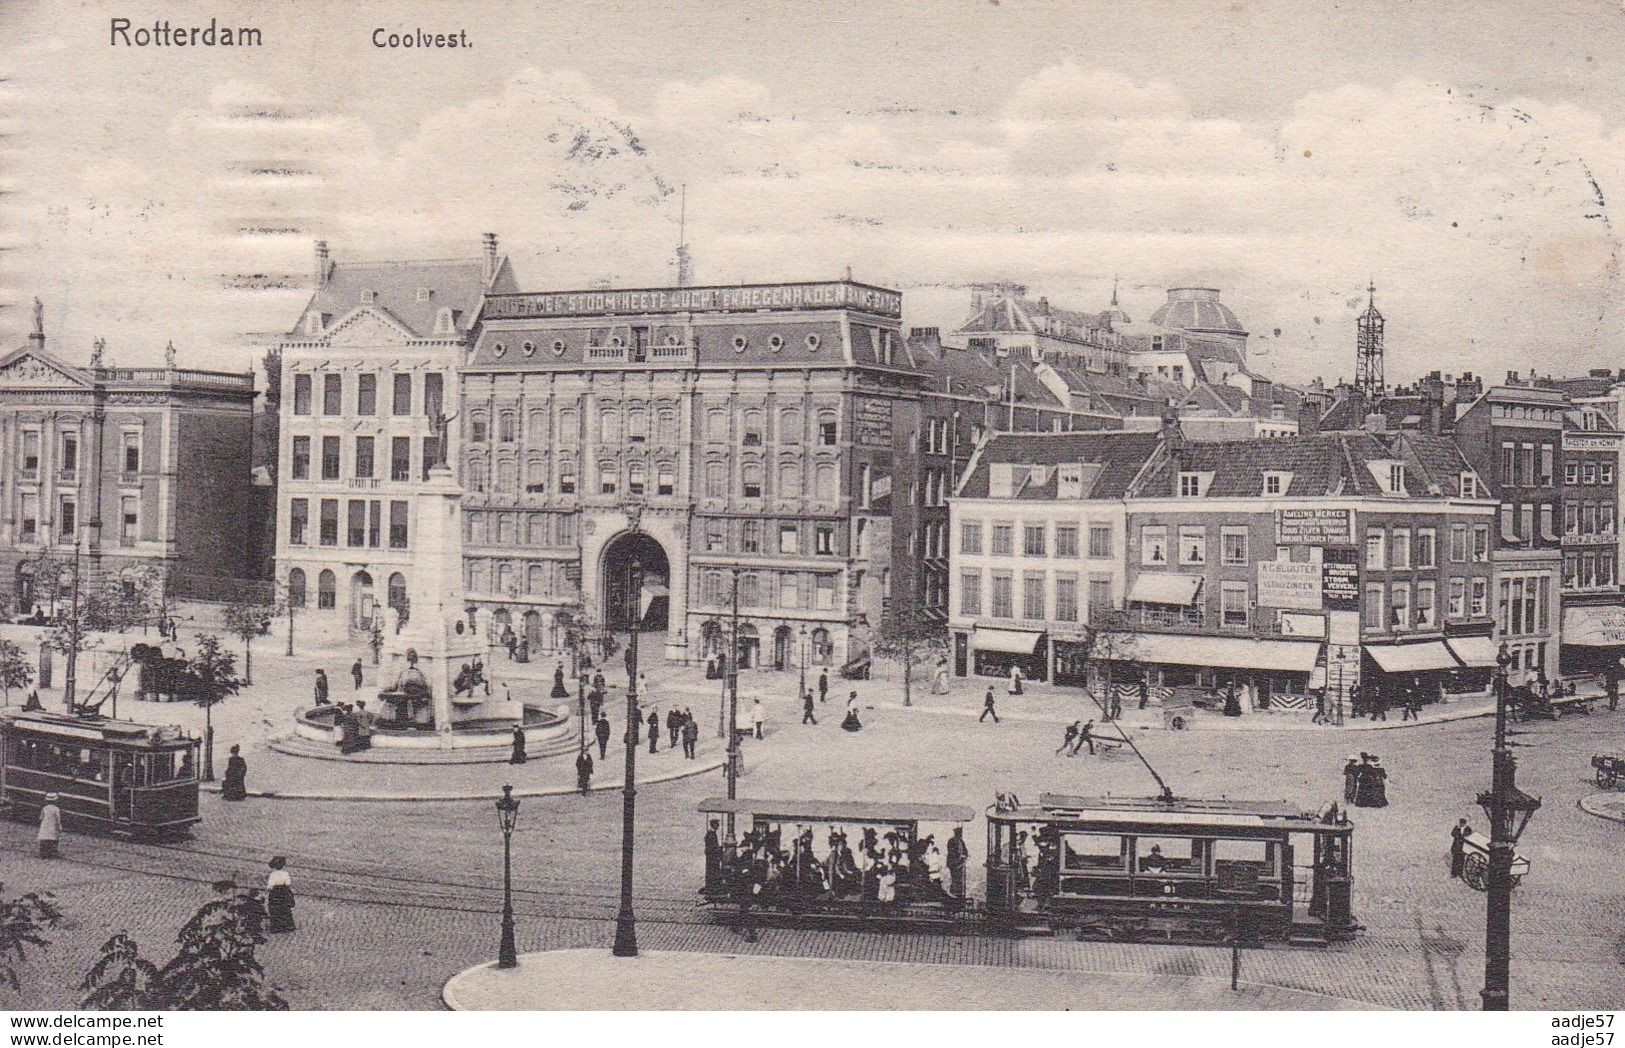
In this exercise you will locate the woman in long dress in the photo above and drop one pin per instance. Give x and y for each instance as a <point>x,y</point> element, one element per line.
<point>279,897</point>
<point>235,785</point>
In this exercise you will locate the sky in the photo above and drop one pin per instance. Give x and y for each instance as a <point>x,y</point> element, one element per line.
<point>1464,157</point>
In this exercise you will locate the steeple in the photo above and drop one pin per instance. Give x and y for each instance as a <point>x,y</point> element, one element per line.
<point>1368,362</point>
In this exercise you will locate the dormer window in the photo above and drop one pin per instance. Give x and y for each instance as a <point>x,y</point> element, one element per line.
<point>313,323</point>
<point>1276,481</point>
<point>1469,486</point>
<point>423,294</point>
<point>1396,478</point>
<point>1156,343</point>
<point>368,296</point>
<point>1069,481</point>
<point>445,322</point>
<point>1194,485</point>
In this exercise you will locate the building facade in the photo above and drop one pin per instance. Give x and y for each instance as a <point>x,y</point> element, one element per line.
<point>764,433</point>
<point>135,468</point>
<point>366,372</point>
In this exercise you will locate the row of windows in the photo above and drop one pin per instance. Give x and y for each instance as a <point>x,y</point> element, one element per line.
<point>1040,601</point>
<point>538,579</point>
<point>363,520</point>
<point>1191,546</point>
<point>1521,604</point>
<point>1035,539</point>
<point>1588,570</point>
<point>1588,518</point>
<point>798,590</point>
<point>365,396</point>
<point>532,529</point>
<point>1590,471</point>
<point>756,537</point>
<point>1527,464</point>
<point>327,588</point>
<point>630,424</point>
<point>364,464</point>
<point>67,460</point>
<point>1396,548</point>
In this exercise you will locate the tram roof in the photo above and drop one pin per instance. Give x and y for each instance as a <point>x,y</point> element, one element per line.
<point>1182,811</point>
<point>100,729</point>
<point>839,811</point>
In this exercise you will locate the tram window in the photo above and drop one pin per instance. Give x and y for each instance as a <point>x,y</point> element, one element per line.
<point>1166,855</point>
<point>162,767</point>
<point>1260,854</point>
<point>1092,851</point>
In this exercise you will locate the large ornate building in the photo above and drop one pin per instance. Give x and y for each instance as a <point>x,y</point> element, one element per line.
<point>135,468</point>
<point>759,432</point>
<point>366,370</point>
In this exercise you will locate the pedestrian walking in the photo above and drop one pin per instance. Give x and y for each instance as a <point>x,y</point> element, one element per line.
<point>1016,680</point>
<point>1086,737</point>
<point>987,707</point>
<point>356,673</point>
<point>600,731</point>
<point>583,771</point>
<point>823,684</point>
<point>1351,777</point>
<point>595,701</point>
<point>1071,736</point>
<point>559,690</point>
<point>691,738</point>
<point>279,897</point>
<point>598,681</point>
<point>1613,692</point>
<point>1458,846</point>
<point>518,755</point>
<point>1320,707</point>
<point>234,787</point>
<point>756,716</point>
<point>674,726</point>
<point>50,826</point>
<point>1379,706</point>
<point>1413,706</point>
<point>713,858</point>
<point>654,730</point>
<point>807,709</point>
<point>1145,692</point>
<point>321,688</point>
<point>631,666</point>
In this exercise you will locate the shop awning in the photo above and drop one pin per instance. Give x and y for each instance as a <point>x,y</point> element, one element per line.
<point>1476,652</point>
<point>1602,626</point>
<point>1160,588</point>
<point>1412,658</point>
<point>1235,652</point>
<point>1010,642</point>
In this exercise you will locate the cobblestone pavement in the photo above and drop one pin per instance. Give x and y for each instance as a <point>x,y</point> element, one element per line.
<point>395,898</point>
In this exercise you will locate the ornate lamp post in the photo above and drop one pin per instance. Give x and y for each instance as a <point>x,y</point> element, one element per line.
<point>1508,809</point>
<point>626,933</point>
<point>507,817</point>
<point>801,692</point>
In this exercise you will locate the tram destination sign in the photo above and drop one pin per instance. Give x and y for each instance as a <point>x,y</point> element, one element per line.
<point>1314,527</point>
<point>835,294</point>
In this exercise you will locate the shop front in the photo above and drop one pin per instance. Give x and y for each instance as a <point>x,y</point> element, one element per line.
<point>1395,672</point>
<point>1477,658</point>
<point>1593,642</point>
<point>1266,673</point>
<point>995,652</point>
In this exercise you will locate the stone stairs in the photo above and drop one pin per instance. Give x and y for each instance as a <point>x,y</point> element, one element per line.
<point>558,741</point>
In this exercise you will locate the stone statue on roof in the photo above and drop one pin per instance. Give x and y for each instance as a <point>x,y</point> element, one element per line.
<point>98,349</point>
<point>169,355</point>
<point>39,316</point>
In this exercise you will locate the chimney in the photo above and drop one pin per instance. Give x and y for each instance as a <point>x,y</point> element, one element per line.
<point>490,242</point>
<point>321,264</point>
<point>1043,306</point>
<point>1175,438</point>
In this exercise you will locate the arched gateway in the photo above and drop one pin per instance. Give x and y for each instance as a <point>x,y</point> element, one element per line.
<point>616,572</point>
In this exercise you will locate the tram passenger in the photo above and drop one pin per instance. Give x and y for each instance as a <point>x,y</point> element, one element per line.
<point>1155,862</point>
<point>935,867</point>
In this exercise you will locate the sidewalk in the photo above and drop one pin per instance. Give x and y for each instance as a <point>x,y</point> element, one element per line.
<point>579,980</point>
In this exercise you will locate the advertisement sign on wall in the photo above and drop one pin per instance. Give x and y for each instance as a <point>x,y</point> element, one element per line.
<point>1314,527</point>
<point>1283,584</point>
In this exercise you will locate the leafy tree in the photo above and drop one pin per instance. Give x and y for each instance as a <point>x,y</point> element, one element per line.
<point>15,669</point>
<point>121,979</point>
<point>215,968</point>
<point>1105,648</point>
<point>906,637</point>
<point>247,618</point>
<point>214,679</point>
<point>23,923</point>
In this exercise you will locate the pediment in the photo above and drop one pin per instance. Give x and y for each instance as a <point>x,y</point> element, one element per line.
<point>35,370</point>
<point>368,326</point>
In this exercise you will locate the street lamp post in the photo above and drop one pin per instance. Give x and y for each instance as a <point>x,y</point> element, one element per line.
<point>508,818</point>
<point>733,707</point>
<point>1508,810</point>
<point>626,933</point>
<point>801,692</point>
<point>581,712</point>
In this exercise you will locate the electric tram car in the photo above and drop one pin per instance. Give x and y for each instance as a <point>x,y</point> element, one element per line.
<point>1113,867</point>
<point>109,775</point>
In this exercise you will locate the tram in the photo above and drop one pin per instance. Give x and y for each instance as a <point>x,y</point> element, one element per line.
<point>110,775</point>
<point>1143,868</point>
<point>1120,868</point>
<point>813,858</point>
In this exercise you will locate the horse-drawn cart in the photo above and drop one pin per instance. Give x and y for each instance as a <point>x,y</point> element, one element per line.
<point>1475,868</point>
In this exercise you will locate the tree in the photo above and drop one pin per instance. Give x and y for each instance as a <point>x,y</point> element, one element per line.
<point>23,923</point>
<point>907,638</point>
<point>215,968</point>
<point>71,634</point>
<point>15,669</point>
<point>214,679</point>
<point>247,618</point>
<point>1106,647</point>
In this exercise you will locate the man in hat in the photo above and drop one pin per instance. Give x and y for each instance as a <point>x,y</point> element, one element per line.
<point>1351,776</point>
<point>583,771</point>
<point>50,826</point>
<point>600,731</point>
<point>1458,846</point>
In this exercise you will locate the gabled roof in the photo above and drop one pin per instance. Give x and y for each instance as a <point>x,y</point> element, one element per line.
<point>1321,464</point>
<point>457,283</point>
<point>1120,455</point>
<point>1018,314</point>
<point>70,375</point>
